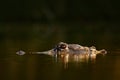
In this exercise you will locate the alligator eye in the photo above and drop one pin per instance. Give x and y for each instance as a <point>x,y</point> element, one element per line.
<point>62,46</point>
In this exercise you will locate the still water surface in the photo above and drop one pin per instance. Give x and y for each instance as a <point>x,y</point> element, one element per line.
<point>43,67</point>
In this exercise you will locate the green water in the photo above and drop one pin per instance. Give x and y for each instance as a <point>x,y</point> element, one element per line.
<point>41,37</point>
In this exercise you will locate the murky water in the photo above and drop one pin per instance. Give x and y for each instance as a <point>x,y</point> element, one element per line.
<point>43,67</point>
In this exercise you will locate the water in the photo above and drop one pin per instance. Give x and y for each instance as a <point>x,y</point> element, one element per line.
<point>43,67</point>
<point>34,67</point>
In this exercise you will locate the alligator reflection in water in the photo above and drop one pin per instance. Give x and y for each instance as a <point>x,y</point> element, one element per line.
<point>68,52</point>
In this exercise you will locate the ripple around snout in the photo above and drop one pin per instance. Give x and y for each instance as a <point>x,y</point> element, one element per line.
<point>20,52</point>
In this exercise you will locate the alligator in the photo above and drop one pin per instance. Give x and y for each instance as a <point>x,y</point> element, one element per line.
<point>70,51</point>
<point>63,49</point>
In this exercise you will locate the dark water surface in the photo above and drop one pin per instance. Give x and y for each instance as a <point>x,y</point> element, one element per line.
<point>42,67</point>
